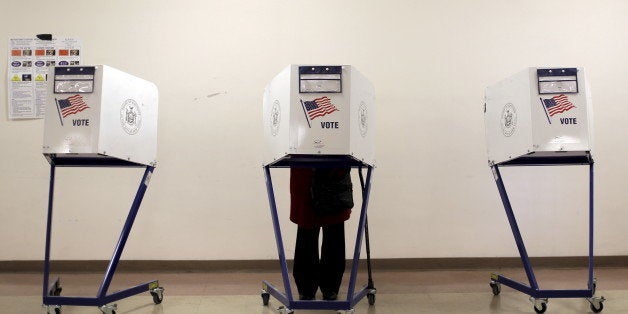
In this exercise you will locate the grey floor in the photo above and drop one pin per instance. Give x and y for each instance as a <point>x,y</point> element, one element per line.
<point>398,292</point>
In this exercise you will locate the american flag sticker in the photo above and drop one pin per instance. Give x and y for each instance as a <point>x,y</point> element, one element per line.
<point>317,108</point>
<point>555,105</point>
<point>69,106</point>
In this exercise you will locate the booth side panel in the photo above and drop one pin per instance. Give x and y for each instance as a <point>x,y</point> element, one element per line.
<point>362,118</point>
<point>276,117</point>
<point>508,118</point>
<point>129,117</point>
<point>71,121</point>
<point>589,100</point>
<point>556,130</point>
<point>326,134</point>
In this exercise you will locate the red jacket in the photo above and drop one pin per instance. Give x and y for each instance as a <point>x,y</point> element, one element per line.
<point>301,212</point>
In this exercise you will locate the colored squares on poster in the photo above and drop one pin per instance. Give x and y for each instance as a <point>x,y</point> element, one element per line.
<point>40,52</point>
<point>64,52</point>
<point>16,53</point>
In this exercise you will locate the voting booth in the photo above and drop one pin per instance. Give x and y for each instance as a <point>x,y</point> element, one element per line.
<point>99,112</point>
<point>316,117</point>
<point>540,117</point>
<point>98,116</point>
<point>319,110</point>
<point>538,113</point>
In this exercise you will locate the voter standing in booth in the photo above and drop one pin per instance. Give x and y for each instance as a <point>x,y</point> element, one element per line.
<point>318,122</point>
<point>320,199</point>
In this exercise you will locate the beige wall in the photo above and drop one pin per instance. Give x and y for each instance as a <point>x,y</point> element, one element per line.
<point>430,61</point>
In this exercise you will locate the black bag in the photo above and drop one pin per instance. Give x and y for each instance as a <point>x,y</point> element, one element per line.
<point>332,191</point>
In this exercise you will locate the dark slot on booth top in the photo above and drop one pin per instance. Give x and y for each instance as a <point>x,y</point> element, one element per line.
<point>320,79</point>
<point>75,80</point>
<point>558,81</point>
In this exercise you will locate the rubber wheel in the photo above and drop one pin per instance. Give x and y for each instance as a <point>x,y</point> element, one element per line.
<point>58,310</point>
<point>597,309</point>
<point>156,298</point>
<point>496,288</point>
<point>542,309</point>
<point>265,298</point>
<point>371,298</point>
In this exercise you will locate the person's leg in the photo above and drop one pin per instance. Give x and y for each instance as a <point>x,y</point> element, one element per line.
<point>332,265</point>
<point>306,264</point>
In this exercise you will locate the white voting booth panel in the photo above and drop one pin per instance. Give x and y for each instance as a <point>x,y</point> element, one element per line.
<point>99,111</point>
<point>319,110</point>
<point>538,112</point>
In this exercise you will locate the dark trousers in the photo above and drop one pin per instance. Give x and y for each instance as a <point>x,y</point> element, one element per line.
<point>311,272</point>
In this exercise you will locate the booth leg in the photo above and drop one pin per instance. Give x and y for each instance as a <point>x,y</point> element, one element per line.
<point>592,283</point>
<point>596,303</point>
<point>47,288</point>
<point>126,230</point>
<point>358,240</point>
<point>278,238</point>
<point>370,284</point>
<point>515,228</point>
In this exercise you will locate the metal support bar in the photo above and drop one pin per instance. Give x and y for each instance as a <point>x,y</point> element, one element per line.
<point>126,230</point>
<point>591,280</point>
<point>358,240</point>
<point>98,301</point>
<point>359,296</point>
<point>51,190</point>
<point>314,304</point>
<point>540,294</point>
<point>515,228</point>
<point>280,296</point>
<point>370,284</point>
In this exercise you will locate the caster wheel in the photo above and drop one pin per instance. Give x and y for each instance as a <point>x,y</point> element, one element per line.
<point>371,298</point>
<point>599,307</point>
<point>541,308</point>
<point>284,310</point>
<point>53,309</point>
<point>108,309</point>
<point>496,287</point>
<point>265,297</point>
<point>158,294</point>
<point>156,298</point>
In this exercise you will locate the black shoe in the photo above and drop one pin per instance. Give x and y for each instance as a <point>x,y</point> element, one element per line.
<point>330,296</point>
<point>306,297</point>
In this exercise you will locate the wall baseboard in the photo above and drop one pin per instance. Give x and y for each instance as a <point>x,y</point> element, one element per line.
<point>385,264</point>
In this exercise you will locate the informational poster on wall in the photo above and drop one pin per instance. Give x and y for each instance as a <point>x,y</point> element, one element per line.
<point>30,60</point>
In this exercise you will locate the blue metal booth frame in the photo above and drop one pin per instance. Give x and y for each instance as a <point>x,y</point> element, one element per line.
<point>286,298</point>
<point>52,298</point>
<point>539,296</point>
